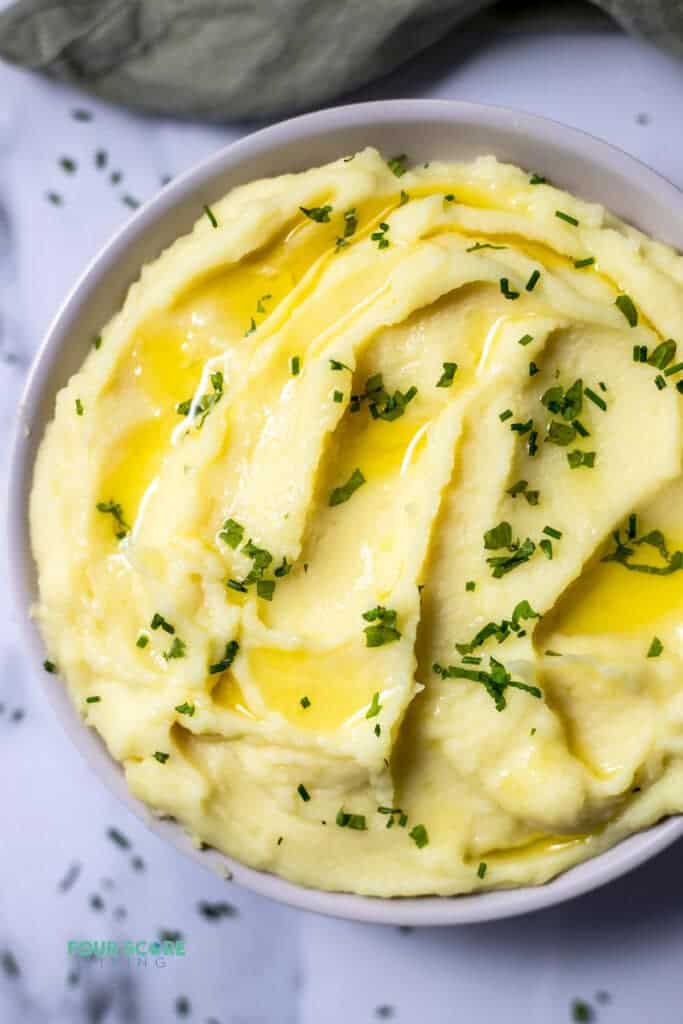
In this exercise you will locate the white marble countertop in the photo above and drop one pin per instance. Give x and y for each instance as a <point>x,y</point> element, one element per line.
<point>61,876</point>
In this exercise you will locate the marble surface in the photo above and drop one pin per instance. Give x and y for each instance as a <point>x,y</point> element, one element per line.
<point>61,876</point>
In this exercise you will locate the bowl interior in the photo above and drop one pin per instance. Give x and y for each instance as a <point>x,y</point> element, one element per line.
<point>425,130</point>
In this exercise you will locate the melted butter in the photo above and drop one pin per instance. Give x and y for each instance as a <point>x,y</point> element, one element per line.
<point>539,846</point>
<point>337,684</point>
<point>138,458</point>
<point>227,694</point>
<point>608,598</point>
<point>380,449</point>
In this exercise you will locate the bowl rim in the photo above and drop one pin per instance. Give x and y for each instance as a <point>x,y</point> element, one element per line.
<point>407,910</point>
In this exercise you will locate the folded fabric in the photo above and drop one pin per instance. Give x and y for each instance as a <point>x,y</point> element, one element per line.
<point>233,59</point>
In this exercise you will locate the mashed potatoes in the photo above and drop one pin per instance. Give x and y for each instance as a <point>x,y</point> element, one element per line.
<point>358,531</point>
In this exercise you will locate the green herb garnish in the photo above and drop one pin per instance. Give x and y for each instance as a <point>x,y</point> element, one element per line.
<point>113,508</point>
<point>375,706</point>
<point>481,870</point>
<point>176,650</point>
<point>295,366</point>
<point>625,304</point>
<point>577,458</point>
<point>320,214</point>
<point>384,629</point>
<point>210,214</point>
<point>567,218</point>
<point>397,164</point>
<point>537,179</point>
<point>79,407</point>
<point>161,757</point>
<point>505,289</point>
<point>526,339</point>
<point>625,549</point>
<point>495,681</point>
<point>587,262</point>
<point>341,494</point>
<point>226,661</point>
<point>232,533</point>
<point>380,236</point>
<point>92,700</point>
<point>159,622</point>
<point>484,245</point>
<point>446,378</point>
<point>142,641</point>
<point>533,280</point>
<point>185,708</point>
<point>595,398</point>
<point>303,792</point>
<point>419,835</point>
<point>305,703</point>
<point>655,648</point>
<point>347,820</point>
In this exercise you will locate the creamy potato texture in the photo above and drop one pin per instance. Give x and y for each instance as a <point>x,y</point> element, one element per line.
<point>358,531</point>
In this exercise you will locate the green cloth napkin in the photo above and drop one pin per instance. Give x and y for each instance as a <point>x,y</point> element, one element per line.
<point>232,59</point>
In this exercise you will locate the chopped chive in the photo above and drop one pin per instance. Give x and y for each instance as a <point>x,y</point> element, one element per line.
<point>533,280</point>
<point>210,214</point>
<point>587,262</point>
<point>404,198</point>
<point>185,708</point>
<point>384,629</point>
<point>232,533</point>
<point>547,548</point>
<point>673,369</point>
<point>419,835</point>
<point>663,354</point>
<point>159,622</point>
<point>67,164</point>
<point>101,159</point>
<point>526,339</point>
<point>532,445</point>
<point>660,382</point>
<point>602,385</point>
<point>130,201</point>
<point>446,378</point>
<point>632,525</point>
<point>92,700</point>
<point>320,214</point>
<point>305,703</point>
<point>505,289</point>
<point>537,179</point>
<point>550,531</point>
<point>580,429</point>
<point>341,494</point>
<point>484,245</point>
<point>553,654</point>
<point>160,756</point>
<point>517,488</point>
<point>79,407</point>
<point>265,589</point>
<point>142,641</point>
<point>679,387</point>
<point>176,650</point>
<point>505,415</point>
<point>567,218</point>
<point>470,585</point>
<point>226,661</point>
<point>481,870</point>
<point>596,399</point>
<point>338,396</point>
<point>578,458</point>
<point>295,365</point>
<point>397,164</point>
<point>54,198</point>
<point>522,428</point>
<point>336,365</point>
<point>625,304</point>
<point>656,648</point>
<point>236,585</point>
<point>450,198</point>
<point>303,792</point>
<point>375,706</point>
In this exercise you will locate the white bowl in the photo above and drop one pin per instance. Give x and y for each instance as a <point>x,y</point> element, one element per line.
<point>425,129</point>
